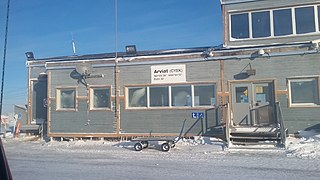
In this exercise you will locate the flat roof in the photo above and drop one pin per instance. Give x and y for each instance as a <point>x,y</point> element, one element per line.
<point>124,54</point>
<point>223,2</point>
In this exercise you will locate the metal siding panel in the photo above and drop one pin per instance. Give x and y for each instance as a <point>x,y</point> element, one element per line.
<point>139,74</point>
<point>278,68</point>
<point>77,122</point>
<point>62,78</point>
<point>35,71</point>
<point>297,119</point>
<point>203,71</point>
<point>167,121</point>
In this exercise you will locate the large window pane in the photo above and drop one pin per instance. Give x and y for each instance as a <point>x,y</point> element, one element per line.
<point>100,98</point>
<point>305,22</point>
<point>138,97</point>
<point>282,22</point>
<point>204,95</point>
<point>261,24</point>
<point>240,26</point>
<point>304,91</point>
<point>66,99</point>
<point>181,96</point>
<point>159,96</point>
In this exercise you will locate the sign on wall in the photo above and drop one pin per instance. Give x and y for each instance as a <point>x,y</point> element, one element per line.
<point>168,74</point>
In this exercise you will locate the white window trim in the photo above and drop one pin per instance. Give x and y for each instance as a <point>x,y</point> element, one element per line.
<point>91,101</point>
<point>58,100</point>
<point>148,107</point>
<point>294,31</point>
<point>302,79</point>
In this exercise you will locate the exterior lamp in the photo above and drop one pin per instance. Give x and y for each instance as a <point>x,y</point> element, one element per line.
<point>30,55</point>
<point>131,49</point>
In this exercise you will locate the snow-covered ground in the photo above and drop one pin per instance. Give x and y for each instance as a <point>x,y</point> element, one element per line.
<point>198,158</point>
<point>306,147</point>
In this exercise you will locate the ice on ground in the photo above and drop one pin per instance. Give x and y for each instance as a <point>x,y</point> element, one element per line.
<point>305,147</point>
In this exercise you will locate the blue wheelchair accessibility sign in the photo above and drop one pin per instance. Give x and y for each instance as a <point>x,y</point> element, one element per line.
<point>197,115</point>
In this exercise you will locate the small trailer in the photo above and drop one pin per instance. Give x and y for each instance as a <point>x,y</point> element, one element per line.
<point>169,142</point>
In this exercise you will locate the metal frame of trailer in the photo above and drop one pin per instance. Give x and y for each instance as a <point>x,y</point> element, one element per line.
<point>169,142</point>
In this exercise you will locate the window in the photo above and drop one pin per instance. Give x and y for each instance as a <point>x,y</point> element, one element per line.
<point>204,95</point>
<point>261,24</point>
<point>181,95</point>
<point>274,22</point>
<point>241,94</point>
<point>305,22</point>
<point>240,26</point>
<point>66,99</point>
<point>99,98</point>
<point>159,96</point>
<point>171,96</point>
<point>304,92</point>
<point>137,96</point>
<point>282,22</point>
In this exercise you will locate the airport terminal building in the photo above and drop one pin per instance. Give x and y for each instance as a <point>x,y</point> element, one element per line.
<point>264,76</point>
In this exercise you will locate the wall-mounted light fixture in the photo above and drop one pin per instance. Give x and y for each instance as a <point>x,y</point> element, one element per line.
<point>131,49</point>
<point>29,55</point>
<point>315,44</point>
<point>245,73</point>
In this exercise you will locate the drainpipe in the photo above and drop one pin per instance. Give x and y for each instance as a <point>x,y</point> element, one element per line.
<point>223,90</point>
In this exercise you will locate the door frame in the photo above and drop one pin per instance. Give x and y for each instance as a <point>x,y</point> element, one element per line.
<point>32,82</point>
<point>255,81</point>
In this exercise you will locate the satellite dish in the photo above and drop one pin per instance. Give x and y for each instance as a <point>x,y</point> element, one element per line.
<point>84,69</point>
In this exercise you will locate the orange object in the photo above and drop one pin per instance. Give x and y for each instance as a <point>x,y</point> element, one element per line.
<point>17,130</point>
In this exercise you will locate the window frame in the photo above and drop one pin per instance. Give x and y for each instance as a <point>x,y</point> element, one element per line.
<point>272,36</point>
<point>304,78</point>
<point>148,107</point>
<point>91,100</point>
<point>58,98</point>
<point>127,101</point>
<point>149,95</point>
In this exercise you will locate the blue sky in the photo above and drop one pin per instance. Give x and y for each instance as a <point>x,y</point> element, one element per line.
<point>45,27</point>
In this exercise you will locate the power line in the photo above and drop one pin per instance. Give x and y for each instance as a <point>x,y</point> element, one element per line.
<point>4,58</point>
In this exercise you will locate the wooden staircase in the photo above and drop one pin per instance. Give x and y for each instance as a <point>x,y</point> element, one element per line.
<point>274,134</point>
<point>255,135</point>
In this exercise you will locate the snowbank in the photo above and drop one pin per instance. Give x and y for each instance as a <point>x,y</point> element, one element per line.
<point>306,147</point>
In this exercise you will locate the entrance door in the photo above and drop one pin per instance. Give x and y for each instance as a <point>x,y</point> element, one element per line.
<point>39,100</point>
<point>253,103</point>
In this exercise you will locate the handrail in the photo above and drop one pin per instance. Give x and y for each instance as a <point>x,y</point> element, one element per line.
<point>228,121</point>
<point>281,125</point>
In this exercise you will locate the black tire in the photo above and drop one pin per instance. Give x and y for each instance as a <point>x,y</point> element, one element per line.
<point>145,144</point>
<point>165,147</point>
<point>138,147</point>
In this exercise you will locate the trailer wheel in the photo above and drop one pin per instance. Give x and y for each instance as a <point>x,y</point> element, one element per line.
<point>145,144</point>
<point>138,147</point>
<point>165,147</point>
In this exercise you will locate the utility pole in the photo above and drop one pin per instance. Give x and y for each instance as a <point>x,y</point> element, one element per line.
<point>4,63</point>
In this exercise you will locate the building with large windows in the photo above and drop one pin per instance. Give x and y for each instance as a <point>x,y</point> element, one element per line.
<point>267,70</point>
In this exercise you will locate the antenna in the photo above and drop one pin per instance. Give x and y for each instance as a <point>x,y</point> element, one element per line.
<point>73,45</point>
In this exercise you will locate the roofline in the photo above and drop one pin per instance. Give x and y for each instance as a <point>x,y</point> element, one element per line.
<point>223,2</point>
<point>111,56</point>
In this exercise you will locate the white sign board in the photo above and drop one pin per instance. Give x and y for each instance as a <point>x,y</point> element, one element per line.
<point>168,74</point>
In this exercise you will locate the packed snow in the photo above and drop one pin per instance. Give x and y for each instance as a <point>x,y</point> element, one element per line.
<point>305,147</point>
<point>194,158</point>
